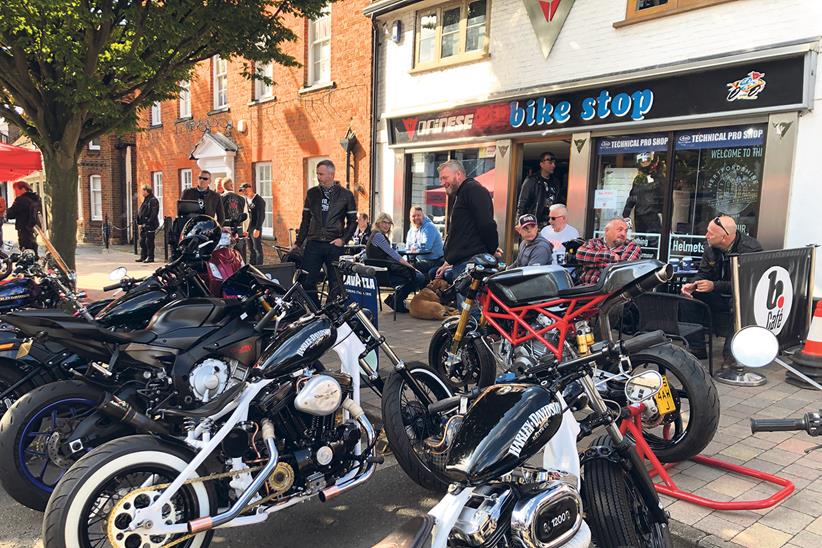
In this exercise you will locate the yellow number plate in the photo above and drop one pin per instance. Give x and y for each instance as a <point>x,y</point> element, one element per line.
<point>664,399</point>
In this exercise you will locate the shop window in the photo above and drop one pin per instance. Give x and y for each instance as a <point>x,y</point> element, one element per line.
<point>319,49</point>
<point>717,171</point>
<point>262,90</point>
<point>452,33</point>
<point>96,197</point>
<point>157,185</point>
<point>185,179</point>
<point>263,187</point>
<point>650,9</point>
<point>220,82</point>
<point>185,98</point>
<point>424,187</point>
<point>156,113</point>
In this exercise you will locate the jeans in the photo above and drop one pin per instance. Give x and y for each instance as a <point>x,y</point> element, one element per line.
<point>406,283</point>
<point>147,243</point>
<point>27,240</point>
<point>256,245</point>
<point>316,255</point>
<point>426,265</point>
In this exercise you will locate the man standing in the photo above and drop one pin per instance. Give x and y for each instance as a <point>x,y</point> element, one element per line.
<point>26,214</point>
<point>210,203</point>
<point>713,282</point>
<point>541,190</point>
<point>329,220</point>
<point>597,253</point>
<point>534,249</point>
<point>471,226</point>
<point>256,213</point>
<point>148,220</point>
<point>233,209</point>
<point>559,231</point>
<point>424,238</point>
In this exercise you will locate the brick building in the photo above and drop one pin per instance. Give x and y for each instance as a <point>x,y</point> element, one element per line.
<point>271,136</point>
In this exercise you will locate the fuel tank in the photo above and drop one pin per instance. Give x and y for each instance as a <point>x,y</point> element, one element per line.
<point>507,425</point>
<point>17,293</point>
<point>134,309</point>
<point>190,313</point>
<point>298,345</point>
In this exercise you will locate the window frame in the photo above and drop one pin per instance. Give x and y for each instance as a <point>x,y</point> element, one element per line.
<point>185,91</point>
<point>183,172</point>
<point>157,177</point>
<point>216,78</point>
<point>633,15</point>
<point>263,91</point>
<point>94,197</point>
<point>269,199</point>
<point>313,79</point>
<point>156,117</point>
<point>462,56</point>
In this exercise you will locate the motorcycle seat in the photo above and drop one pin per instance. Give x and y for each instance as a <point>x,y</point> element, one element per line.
<point>414,533</point>
<point>613,278</point>
<point>142,336</point>
<point>529,284</point>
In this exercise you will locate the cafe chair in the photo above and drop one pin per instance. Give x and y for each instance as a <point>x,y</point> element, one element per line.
<point>384,281</point>
<point>680,318</point>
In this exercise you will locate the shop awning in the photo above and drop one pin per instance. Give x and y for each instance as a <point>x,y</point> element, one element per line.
<point>436,196</point>
<point>16,162</point>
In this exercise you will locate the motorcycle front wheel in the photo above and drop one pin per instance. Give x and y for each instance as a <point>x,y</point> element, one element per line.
<point>87,507</point>
<point>408,424</point>
<point>614,508</point>
<point>476,368</point>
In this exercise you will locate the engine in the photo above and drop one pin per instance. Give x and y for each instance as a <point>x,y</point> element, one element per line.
<point>211,377</point>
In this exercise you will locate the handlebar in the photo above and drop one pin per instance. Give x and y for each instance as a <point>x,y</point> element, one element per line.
<point>346,267</point>
<point>111,287</point>
<point>810,423</point>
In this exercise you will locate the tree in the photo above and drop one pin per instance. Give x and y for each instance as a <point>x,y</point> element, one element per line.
<point>72,70</point>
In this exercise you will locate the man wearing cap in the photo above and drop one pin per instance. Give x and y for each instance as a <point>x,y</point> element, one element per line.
<point>534,249</point>
<point>256,217</point>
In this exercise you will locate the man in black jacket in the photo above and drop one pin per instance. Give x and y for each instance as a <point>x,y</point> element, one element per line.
<point>329,220</point>
<point>256,218</point>
<point>713,282</point>
<point>149,221</point>
<point>234,206</point>
<point>541,190</point>
<point>471,226</point>
<point>210,202</point>
<point>26,214</point>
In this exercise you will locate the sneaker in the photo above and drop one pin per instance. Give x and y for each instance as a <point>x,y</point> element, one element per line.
<point>149,261</point>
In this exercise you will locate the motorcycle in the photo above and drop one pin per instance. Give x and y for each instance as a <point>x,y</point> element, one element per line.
<point>533,313</point>
<point>291,431</point>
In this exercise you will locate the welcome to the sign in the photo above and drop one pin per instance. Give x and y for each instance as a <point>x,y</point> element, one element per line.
<point>542,112</point>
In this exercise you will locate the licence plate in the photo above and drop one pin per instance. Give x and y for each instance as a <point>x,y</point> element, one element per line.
<point>664,398</point>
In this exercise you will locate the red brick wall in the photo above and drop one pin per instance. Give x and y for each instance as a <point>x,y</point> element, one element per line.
<point>285,131</point>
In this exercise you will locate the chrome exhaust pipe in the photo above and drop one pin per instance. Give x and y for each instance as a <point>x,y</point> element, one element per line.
<point>342,486</point>
<point>209,522</point>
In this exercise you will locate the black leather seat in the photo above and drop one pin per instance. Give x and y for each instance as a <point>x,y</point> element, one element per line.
<point>614,277</point>
<point>143,336</point>
<point>529,284</point>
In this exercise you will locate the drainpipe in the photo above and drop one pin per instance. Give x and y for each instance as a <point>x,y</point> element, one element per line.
<point>375,40</point>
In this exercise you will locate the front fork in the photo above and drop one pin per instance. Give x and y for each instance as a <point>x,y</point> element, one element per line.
<point>465,315</point>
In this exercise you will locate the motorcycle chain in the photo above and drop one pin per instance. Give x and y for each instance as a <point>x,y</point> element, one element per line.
<point>111,532</point>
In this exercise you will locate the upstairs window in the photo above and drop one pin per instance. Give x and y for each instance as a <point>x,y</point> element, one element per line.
<point>261,89</point>
<point>185,99</point>
<point>452,33</point>
<point>156,113</point>
<point>220,82</point>
<point>638,10</point>
<point>319,49</point>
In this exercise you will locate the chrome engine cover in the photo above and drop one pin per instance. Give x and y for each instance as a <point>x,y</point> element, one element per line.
<point>480,521</point>
<point>320,395</point>
<point>209,378</point>
<point>548,518</point>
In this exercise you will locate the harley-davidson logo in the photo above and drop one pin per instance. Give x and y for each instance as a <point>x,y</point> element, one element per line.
<point>535,423</point>
<point>547,18</point>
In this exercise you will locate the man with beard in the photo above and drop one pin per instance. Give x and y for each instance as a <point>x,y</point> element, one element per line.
<point>210,202</point>
<point>597,253</point>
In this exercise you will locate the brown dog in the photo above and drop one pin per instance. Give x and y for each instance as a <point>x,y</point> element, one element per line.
<point>426,303</point>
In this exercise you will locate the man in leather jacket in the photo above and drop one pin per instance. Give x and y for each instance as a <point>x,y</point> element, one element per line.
<point>541,190</point>
<point>148,219</point>
<point>329,220</point>
<point>25,211</point>
<point>713,282</point>
<point>256,211</point>
<point>211,203</point>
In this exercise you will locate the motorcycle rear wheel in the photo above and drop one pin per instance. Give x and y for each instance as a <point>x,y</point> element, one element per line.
<point>615,511</point>
<point>10,374</point>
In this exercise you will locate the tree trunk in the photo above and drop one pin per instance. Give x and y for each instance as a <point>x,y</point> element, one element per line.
<point>61,189</point>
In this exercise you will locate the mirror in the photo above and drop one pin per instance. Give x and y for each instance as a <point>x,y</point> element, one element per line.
<point>118,274</point>
<point>754,346</point>
<point>643,386</point>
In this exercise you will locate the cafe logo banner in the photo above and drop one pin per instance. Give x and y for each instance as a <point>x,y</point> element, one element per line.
<point>773,299</point>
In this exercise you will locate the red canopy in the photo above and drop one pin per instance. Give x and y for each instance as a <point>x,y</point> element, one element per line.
<point>16,162</point>
<point>436,196</point>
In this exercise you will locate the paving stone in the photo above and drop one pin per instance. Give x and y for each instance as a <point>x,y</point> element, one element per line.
<point>763,465</point>
<point>798,483</point>
<point>795,445</point>
<point>745,518</point>
<point>779,456</point>
<point>811,462</point>
<point>802,471</point>
<point>806,539</point>
<point>786,519</point>
<point>773,436</point>
<point>713,541</point>
<point>805,501</point>
<point>688,483</point>
<point>816,526</point>
<point>731,485</point>
<point>742,451</point>
<point>704,472</point>
<point>716,525</point>
<point>815,485</point>
<point>686,512</point>
<point>753,441</point>
<point>761,536</point>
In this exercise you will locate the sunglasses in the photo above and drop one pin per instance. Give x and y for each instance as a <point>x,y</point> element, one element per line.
<point>555,218</point>
<point>549,160</point>
<point>204,178</point>
<point>719,224</point>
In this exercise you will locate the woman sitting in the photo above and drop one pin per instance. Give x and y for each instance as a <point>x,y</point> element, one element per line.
<point>400,271</point>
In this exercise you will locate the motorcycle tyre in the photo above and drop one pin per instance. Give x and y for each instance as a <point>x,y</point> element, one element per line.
<point>395,430</point>
<point>88,473</point>
<point>703,401</point>
<point>487,365</point>
<point>12,478</point>
<point>6,266</point>
<point>608,507</point>
<point>10,374</point>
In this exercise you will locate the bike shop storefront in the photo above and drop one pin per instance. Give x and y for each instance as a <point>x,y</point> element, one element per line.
<point>671,148</point>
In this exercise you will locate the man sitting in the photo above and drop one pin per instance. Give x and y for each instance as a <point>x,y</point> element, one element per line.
<point>713,282</point>
<point>558,231</point>
<point>424,238</point>
<point>597,253</point>
<point>534,249</point>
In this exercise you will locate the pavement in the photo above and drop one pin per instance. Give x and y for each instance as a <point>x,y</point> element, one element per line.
<point>370,512</point>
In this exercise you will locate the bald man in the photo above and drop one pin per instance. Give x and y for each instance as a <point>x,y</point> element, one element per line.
<point>713,282</point>
<point>614,247</point>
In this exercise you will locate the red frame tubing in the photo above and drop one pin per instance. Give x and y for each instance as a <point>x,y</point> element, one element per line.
<point>516,314</point>
<point>633,425</point>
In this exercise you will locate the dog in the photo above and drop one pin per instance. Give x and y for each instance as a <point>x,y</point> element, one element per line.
<point>426,303</point>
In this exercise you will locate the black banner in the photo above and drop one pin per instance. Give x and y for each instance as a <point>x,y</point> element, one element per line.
<point>774,292</point>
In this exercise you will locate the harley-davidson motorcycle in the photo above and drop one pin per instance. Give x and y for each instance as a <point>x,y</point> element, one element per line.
<point>290,431</point>
<point>510,452</point>
<point>536,313</point>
